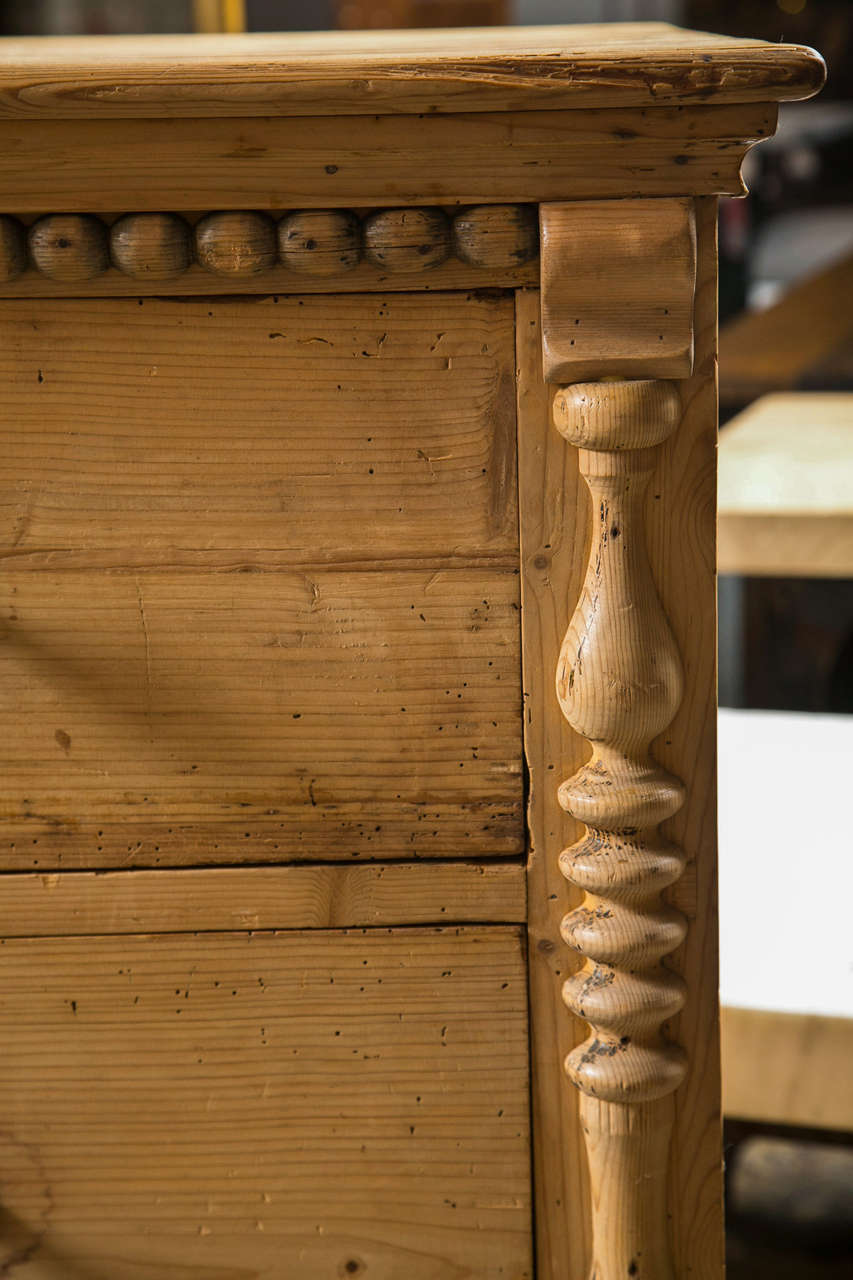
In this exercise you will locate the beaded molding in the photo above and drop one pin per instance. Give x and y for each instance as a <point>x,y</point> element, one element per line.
<point>70,247</point>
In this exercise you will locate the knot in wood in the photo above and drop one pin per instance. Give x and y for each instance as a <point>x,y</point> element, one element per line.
<point>69,246</point>
<point>407,239</point>
<point>320,242</point>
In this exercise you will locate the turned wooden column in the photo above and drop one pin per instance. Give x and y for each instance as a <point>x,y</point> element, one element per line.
<point>618,284</point>
<point>619,683</point>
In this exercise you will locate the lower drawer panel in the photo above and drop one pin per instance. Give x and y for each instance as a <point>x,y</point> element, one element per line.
<point>232,1106</point>
<point>179,718</point>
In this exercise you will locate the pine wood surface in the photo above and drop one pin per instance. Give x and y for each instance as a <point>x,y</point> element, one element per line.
<point>363,161</point>
<point>787,1068</point>
<point>181,673</point>
<point>318,250</point>
<point>493,69</point>
<point>786,487</point>
<point>259,1105</point>
<point>791,344</point>
<point>619,684</point>
<point>366,277</point>
<point>259,432</point>
<point>184,676</point>
<point>165,718</point>
<point>623,321</point>
<point>680,513</point>
<point>554,531</point>
<point>291,897</point>
<point>681,520</point>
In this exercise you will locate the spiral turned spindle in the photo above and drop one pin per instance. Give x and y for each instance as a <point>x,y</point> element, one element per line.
<point>619,683</point>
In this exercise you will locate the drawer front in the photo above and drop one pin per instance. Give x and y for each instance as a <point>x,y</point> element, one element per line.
<point>306,1105</point>
<point>139,431</point>
<point>259,600</point>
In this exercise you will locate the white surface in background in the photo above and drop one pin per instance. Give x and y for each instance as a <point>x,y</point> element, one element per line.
<point>786,861</point>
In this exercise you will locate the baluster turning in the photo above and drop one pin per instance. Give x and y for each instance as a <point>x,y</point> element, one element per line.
<point>619,683</point>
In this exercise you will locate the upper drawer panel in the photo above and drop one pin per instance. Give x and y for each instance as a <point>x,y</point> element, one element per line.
<point>322,429</point>
<point>259,598</point>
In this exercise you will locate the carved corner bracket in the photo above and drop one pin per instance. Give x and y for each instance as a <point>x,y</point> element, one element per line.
<point>618,283</point>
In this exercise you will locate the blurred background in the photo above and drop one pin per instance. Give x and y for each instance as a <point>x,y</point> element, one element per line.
<point>786,623</point>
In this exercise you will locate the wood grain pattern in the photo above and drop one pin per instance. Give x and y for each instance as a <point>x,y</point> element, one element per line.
<point>284,279</point>
<point>69,247</point>
<point>335,73</point>
<point>680,524</point>
<point>322,242</point>
<point>235,243</point>
<point>213,701</point>
<point>163,718</point>
<point>155,246</point>
<point>407,239</point>
<point>318,249</point>
<point>619,684</point>
<point>376,160</point>
<point>295,897</point>
<point>554,532</point>
<point>679,518</point>
<point>260,432</point>
<point>365,277</point>
<point>496,236</point>
<point>606,312</point>
<point>266,1104</point>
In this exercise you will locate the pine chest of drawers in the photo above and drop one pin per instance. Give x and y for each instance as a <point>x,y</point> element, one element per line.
<point>351,389</point>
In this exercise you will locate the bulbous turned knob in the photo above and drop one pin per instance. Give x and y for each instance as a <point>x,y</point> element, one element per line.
<point>69,246</point>
<point>236,243</point>
<point>602,1068</point>
<point>496,236</point>
<point>151,246</point>
<point>614,416</point>
<point>407,239</point>
<point>320,242</point>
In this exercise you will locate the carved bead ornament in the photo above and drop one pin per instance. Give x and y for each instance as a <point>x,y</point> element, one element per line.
<point>71,247</point>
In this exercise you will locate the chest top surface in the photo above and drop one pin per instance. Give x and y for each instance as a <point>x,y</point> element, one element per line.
<point>360,120</point>
<point>443,71</point>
